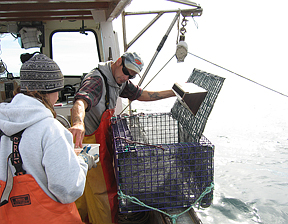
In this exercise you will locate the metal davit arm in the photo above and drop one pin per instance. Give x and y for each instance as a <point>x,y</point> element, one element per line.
<point>159,47</point>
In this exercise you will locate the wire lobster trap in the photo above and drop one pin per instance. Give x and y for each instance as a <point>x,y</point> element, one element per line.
<point>163,159</point>
<point>155,165</point>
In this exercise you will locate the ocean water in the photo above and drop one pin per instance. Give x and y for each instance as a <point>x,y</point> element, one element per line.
<point>249,130</point>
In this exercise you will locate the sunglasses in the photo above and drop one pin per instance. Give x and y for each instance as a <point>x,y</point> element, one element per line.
<point>125,70</point>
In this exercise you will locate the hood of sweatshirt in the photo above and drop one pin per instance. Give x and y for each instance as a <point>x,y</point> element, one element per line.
<point>22,112</point>
<point>105,67</point>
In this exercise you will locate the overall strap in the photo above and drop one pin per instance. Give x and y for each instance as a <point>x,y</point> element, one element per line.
<point>16,162</point>
<point>16,157</point>
<point>107,97</point>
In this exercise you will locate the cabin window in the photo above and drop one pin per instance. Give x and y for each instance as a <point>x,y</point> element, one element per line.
<point>10,51</point>
<point>75,53</point>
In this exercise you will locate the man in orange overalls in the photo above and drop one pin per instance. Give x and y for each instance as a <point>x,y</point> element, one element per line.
<point>93,107</point>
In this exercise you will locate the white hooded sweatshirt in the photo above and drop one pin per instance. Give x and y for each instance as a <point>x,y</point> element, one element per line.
<point>46,148</point>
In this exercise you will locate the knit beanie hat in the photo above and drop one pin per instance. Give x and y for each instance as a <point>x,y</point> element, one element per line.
<point>42,74</point>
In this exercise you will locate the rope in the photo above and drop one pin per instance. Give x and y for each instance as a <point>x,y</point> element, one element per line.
<point>239,75</point>
<point>172,217</point>
<point>159,71</point>
<point>195,23</point>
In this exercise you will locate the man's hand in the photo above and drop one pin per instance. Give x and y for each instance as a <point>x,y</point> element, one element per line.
<point>78,128</point>
<point>78,132</point>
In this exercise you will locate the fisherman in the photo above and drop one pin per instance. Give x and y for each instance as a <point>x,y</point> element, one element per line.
<point>94,104</point>
<point>46,176</point>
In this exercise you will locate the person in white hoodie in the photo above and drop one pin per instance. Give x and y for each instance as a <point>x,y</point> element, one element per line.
<point>51,176</point>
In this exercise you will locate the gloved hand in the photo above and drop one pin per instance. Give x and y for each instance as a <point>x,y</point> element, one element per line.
<point>89,159</point>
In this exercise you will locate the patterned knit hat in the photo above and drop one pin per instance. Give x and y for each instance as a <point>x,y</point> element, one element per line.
<point>42,74</point>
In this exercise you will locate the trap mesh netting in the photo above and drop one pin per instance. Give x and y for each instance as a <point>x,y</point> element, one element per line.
<point>194,125</point>
<point>159,162</point>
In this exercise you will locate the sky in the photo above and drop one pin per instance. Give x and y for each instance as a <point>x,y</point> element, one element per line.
<point>246,37</point>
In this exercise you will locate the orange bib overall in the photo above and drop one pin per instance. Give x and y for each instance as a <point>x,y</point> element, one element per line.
<point>99,202</point>
<point>27,202</point>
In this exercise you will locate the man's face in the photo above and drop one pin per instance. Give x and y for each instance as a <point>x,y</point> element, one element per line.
<point>122,74</point>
